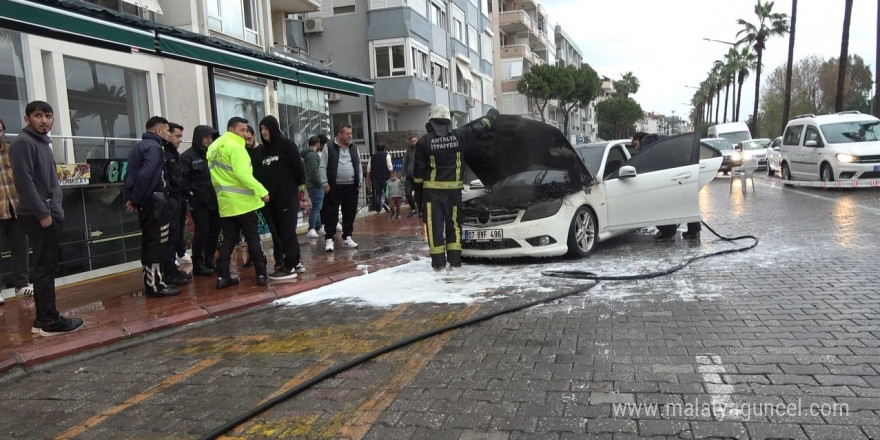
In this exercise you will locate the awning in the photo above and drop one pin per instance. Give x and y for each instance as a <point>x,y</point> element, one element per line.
<point>204,54</point>
<point>58,23</point>
<point>465,71</point>
<point>329,83</point>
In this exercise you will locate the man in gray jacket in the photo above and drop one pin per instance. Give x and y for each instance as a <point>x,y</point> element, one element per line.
<point>409,162</point>
<point>40,212</point>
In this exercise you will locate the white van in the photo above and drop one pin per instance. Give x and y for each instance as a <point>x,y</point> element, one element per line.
<point>841,146</point>
<point>735,132</point>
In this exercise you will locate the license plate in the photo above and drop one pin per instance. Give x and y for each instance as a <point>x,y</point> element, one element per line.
<point>484,235</point>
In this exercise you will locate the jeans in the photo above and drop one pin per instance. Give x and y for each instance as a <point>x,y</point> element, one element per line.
<point>317,197</point>
<point>378,194</point>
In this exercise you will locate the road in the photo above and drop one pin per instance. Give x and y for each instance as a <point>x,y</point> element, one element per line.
<point>780,341</point>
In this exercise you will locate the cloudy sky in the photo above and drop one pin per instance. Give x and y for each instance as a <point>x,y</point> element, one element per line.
<point>661,42</point>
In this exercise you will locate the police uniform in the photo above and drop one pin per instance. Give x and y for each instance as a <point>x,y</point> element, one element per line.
<point>438,176</point>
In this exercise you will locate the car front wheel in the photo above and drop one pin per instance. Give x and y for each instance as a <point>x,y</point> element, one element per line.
<point>826,173</point>
<point>582,233</point>
<point>786,174</point>
<point>770,171</point>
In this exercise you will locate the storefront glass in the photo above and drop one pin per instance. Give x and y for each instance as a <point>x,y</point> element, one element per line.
<point>13,92</point>
<point>108,108</point>
<point>302,113</point>
<point>239,98</point>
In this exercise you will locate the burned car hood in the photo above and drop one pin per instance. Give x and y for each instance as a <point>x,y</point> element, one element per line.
<point>516,145</point>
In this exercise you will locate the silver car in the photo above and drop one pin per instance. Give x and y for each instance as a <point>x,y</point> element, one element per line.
<point>774,157</point>
<point>756,148</point>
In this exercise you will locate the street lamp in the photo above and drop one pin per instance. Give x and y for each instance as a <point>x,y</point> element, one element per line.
<point>691,87</point>
<point>719,41</point>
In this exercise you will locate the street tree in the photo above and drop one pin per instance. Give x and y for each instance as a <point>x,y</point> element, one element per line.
<point>627,85</point>
<point>577,87</point>
<point>769,24</point>
<point>617,117</point>
<point>538,84</point>
<point>786,106</point>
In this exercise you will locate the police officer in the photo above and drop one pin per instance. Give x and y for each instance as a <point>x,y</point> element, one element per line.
<point>239,196</point>
<point>176,206</point>
<point>202,200</point>
<point>146,192</point>
<point>438,176</point>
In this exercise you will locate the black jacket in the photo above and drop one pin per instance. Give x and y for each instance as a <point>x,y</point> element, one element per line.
<point>281,169</point>
<point>194,168</point>
<point>438,161</point>
<point>36,179</point>
<point>173,175</point>
<point>145,166</point>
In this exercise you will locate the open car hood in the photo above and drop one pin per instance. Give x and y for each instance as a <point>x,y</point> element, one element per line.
<point>516,145</point>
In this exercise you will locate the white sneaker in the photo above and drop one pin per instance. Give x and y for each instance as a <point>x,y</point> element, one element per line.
<point>321,231</point>
<point>300,268</point>
<point>328,245</point>
<point>185,259</point>
<point>339,227</point>
<point>312,234</point>
<point>348,242</point>
<point>25,291</point>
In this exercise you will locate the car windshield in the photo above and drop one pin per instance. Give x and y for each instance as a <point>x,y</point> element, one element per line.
<point>721,144</point>
<point>755,144</point>
<point>592,154</point>
<point>854,131</point>
<point>534,177</point>
<point>736,136</point>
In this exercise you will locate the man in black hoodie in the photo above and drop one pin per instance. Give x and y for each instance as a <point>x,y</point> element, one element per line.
<point>146,193</point>
<point>176,206</point>
<point>281,172</point>
<point>202,200</point>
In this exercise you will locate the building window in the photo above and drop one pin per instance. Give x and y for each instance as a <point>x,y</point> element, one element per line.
<point>420,6</point>
<point>236,18</point>
<point>106,102</point>
<point>341,7</point>
<point>392,121</point>
<point>473,39</point>
<point>440,72</point>
<point>239,98</point>
<point>486,51</point>
<point>458,29</point>
<point>356,120</point>
<point>438,15</point>
<point>13,88</point>
<point>389,60</point>
<point>421,61</point>
<point>302,113</point>
<point>462,81</point>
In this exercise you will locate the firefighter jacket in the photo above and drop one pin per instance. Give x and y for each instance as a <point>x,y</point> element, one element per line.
<point>232,176</point>
<point>438,161</point>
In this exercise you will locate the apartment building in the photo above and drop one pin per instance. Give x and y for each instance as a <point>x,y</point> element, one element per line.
<point>106,66</point>
<point>418,52</point>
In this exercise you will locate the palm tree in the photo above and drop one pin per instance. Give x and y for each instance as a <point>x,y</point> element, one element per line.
<point>786,105</point>
<point>844,57</point>
<point>730,67</point>
<point>745,61</point>
<point>769,24</point>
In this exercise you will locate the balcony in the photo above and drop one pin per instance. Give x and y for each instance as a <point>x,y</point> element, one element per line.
<point>514,21</point>
<point>295,6</point>
<point>520,51</point>
<point>406,91</point>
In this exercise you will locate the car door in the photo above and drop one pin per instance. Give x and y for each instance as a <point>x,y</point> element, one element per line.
<point>808,166</point>
<point>663,189</point>
<point>791,147</point>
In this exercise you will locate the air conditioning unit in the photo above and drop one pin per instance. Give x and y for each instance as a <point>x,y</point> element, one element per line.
<point>334,97</point>
<point>314,25</point>
<point>470,103</point>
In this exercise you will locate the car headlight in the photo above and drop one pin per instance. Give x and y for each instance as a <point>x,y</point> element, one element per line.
<point>747,155</point>
<point>736,156</point>
<point>541,210</point>
<point>846,158</point>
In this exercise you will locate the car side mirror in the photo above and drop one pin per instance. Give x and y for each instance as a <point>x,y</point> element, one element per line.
<point>738,147</point>
<point>776,148</point>
<point>811,143</point>
<point>626,171</point>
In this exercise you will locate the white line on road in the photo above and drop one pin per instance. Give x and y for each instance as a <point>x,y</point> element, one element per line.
<point>870,209</point>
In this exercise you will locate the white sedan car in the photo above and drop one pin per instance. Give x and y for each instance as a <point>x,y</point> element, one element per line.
<point>555,199</point>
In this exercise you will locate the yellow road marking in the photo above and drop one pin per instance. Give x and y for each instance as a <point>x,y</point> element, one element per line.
<point>95,420</point>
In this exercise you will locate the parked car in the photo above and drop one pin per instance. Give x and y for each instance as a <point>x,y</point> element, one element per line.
<point>732,158</point>
<point>773,156</point>
<point>547,198</point>
<point>840,146</point>
<point>735,132</point>
<point>755,148</point>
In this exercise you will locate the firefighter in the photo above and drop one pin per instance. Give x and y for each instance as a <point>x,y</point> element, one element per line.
<point>438,177</point>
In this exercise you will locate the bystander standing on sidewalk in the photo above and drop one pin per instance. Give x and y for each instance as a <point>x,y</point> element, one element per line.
<point>202,200</point>
<point>239,196</point>
<point>9,224</point>
<point>341,178</point>
<point>394,190</point>
<point>409,162</point>
<point>312,162</point>
<point>255,151</point>
<point>40,212</point>
<point>146,192</point>
<point>378,171</point>
<point>281,172</point>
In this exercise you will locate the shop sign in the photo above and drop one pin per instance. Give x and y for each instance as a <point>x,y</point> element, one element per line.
<point>108,170</point>
<point>73,174</point>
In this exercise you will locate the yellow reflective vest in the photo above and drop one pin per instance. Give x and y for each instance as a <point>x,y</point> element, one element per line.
<point>232,176</point>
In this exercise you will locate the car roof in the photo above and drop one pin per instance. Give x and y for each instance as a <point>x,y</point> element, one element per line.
<point>849,116</point>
